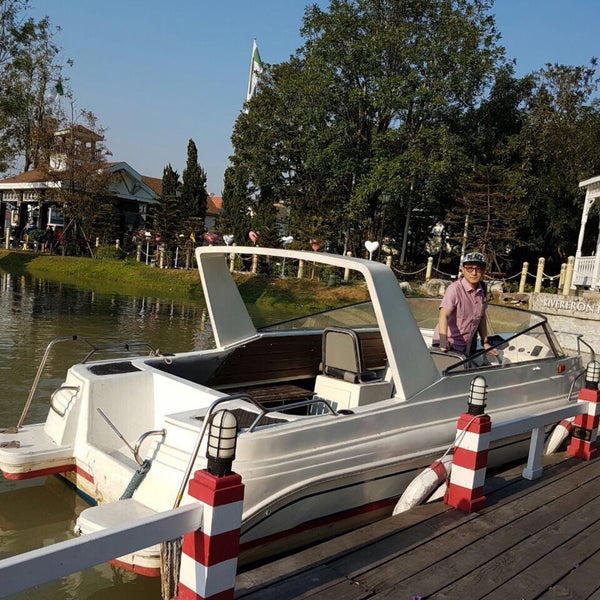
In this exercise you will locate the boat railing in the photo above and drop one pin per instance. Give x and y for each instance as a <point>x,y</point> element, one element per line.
<point>129,346</point>
<point>36,380</point>
<point>62,388</point>
<point>126,347</point>
<point>580,340</point>
<point>263,411</point>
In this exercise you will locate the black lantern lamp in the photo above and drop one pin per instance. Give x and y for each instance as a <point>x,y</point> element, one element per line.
<point>222,440</point>
<point>592,375</point>
<point>477,396</point>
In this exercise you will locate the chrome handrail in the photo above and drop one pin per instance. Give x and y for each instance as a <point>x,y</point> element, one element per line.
<point>127,346</point>
<point>56,391</point>
<point>70,338</point>
<point>140,441</point>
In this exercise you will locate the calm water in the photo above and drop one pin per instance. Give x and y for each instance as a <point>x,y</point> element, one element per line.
<point>33,312</point>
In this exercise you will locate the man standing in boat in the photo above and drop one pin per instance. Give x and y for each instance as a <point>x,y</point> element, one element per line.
<point>462,310</point>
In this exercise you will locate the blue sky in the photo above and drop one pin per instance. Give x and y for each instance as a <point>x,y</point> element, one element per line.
<point>158,73</point>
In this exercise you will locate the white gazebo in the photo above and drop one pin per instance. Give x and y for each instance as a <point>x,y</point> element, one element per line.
<point>587,268</point>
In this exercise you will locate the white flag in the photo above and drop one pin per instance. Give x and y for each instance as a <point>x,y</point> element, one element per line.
<point>256,68</point>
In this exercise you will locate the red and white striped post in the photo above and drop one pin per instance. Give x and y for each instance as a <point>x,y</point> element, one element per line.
<point>209,555</point>
<point>469,463</point>
<point>585,426</point>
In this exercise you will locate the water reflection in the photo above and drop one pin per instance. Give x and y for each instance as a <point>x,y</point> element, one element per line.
<point>33,312</point>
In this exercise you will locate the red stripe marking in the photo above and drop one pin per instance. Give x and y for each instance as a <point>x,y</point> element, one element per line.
<point>216,491</point>
<point>39,472</point>
<point>210,550</point>
<point>469,459</point>
<point>186,594</point>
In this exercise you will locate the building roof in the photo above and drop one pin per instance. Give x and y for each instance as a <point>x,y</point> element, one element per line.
<point>33,176</point>
<point>214,205</point>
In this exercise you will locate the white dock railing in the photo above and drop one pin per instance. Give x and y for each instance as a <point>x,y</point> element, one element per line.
<point>537,425</point>
<point>43,565</point>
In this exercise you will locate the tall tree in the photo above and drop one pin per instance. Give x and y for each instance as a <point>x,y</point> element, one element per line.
<point>561,138</point>
<point>365,112</point>
<point>167,214</point>
<point>31,73</point>
<point>235,216</point>
<point>193,193</point>
<point>82,181</point>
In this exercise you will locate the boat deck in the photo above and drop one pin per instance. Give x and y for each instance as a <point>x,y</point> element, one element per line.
<point>534,539</point>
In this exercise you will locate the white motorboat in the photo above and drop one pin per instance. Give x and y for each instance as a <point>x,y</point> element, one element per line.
<point>337,412</point>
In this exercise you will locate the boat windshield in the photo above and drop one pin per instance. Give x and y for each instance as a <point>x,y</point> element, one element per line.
<point>520,334</point>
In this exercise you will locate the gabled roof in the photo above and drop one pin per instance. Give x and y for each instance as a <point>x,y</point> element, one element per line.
<point>214,205</point>
<point>33,176</point>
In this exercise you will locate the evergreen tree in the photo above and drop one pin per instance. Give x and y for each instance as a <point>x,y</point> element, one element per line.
<point>167,214</point>
<point>194,196</point>
<point>235,215</point>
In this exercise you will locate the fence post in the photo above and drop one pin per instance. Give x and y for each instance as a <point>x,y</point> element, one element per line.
<point>209,556</point>
<point>561,279</point>
<point>585,426</point>
<point>568,275</point>
<point>232,262</point>
<point>300,269</point>
<point>539,275</point>
<point>523,277</point>
<point>429,268</point>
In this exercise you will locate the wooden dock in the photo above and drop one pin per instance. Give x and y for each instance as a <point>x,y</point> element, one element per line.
<point>534,539</point>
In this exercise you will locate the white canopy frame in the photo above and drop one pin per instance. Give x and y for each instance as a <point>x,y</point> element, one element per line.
<point>587,268</point>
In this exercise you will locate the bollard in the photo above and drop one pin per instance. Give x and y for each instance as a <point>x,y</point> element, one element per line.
<point>300,269</point>
<point>469,463</point>
<point>585,426</point>
<point>561,279</point>
<point>568,276</point>
<point>7,238</point>
<point>254,263</point>
<point>138,252</point>
<point>539,277</point>
<point>346,270</point>
<point>209,556</point>
<point>523,277</point>
<point>232,262</point>
<point>388,261</point>
<point>429,268</point>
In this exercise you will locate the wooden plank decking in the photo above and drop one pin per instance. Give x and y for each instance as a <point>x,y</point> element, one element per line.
<point>534,539</point>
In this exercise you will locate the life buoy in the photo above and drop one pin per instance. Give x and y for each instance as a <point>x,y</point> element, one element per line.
<point>558,435</point>
<point>424,484</point>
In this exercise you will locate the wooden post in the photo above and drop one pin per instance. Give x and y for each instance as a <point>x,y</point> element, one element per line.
<point>568,276</point>
<point>539,277</point>
<point>523,277</point>
<point>254,263</point>
<point>429,268</point>
<point>300,269</point>
<point>232,262</point>
<point>209,555</point>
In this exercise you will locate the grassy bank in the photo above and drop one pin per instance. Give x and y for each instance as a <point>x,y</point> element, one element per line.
<point>132,278</point>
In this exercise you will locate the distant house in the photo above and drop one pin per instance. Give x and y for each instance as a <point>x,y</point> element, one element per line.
<point>26,199</point>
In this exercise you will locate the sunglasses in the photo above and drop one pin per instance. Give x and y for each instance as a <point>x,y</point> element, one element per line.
<point>472,269</point>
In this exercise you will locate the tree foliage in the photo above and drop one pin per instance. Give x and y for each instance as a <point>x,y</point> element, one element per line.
<point>365,110</point>
<point>30,72</point>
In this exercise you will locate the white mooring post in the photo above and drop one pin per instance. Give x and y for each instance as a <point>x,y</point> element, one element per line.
<point>523,277</point>
<point>209,555</point>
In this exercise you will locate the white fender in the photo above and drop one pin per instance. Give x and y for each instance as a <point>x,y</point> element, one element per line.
<point>424,484</point>
<point>558,435</point>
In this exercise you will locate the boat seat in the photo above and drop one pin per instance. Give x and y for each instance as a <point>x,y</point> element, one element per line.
<point>342,356</point>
